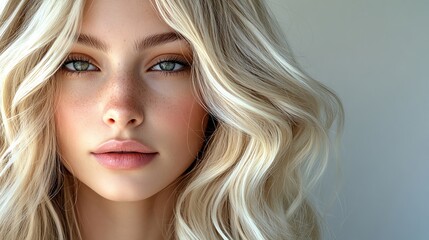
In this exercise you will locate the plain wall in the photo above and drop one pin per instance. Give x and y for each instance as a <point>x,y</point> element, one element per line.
<point>375,55</point>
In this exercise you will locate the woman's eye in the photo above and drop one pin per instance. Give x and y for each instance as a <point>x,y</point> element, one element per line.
<point>168,66</point>
<point>79,66</point>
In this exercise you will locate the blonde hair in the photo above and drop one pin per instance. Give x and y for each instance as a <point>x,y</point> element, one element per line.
<point>33,44</point>
<point>270,143</point>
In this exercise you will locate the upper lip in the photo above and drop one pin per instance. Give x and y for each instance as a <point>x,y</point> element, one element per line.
<point>122,146</point>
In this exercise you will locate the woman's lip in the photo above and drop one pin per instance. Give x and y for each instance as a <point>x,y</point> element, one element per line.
<point>126,146</point>
<point>124,160</point>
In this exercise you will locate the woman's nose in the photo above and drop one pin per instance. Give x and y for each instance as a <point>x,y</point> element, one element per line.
<point>122,118</point>
<point>123,104</point>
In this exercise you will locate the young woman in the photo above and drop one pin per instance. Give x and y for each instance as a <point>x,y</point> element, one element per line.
<point>157,119</point>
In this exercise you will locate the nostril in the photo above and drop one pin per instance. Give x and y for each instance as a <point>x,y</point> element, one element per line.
<point>122,118</point>
<point>111,121</point>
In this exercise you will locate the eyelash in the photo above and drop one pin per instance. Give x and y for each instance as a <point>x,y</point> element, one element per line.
<point>72,59</point>
<point>173,59</point>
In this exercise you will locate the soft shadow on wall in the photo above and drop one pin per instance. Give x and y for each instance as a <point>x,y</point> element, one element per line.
<point>374,54</point>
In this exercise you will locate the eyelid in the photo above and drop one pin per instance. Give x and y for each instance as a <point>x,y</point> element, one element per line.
<point>175,59</point>
<point>78,57</point>
<point>184,60</point>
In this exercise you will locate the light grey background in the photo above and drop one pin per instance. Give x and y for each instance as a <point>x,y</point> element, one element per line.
<point>375,55</point>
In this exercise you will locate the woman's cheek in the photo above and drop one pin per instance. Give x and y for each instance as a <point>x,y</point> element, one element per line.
<point>183,122</point>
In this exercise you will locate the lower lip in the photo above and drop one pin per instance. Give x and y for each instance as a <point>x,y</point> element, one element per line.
<point>124,161</point>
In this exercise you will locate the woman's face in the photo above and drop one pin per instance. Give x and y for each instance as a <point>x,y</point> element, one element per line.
<point>127,121</point>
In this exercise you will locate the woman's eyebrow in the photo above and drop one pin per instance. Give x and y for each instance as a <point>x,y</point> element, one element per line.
<point>157,39</point>
<point>147,42</point>
<point>93,42</point>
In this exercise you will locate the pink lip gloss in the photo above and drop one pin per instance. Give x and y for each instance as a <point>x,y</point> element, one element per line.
<point>124,160</point>
<point>123,154</point>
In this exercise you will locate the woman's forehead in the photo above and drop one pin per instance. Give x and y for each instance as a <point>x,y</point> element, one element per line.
<point>122,20</point>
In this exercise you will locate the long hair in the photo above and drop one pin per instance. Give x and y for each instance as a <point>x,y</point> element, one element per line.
<point>271,142</point>
<point>34,39</point>
<point>269,145</point>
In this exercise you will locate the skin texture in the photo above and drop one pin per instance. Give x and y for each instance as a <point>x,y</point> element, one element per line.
<point>124,94</point>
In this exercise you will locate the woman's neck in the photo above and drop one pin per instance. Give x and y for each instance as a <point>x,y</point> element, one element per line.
<point>100,218</point>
